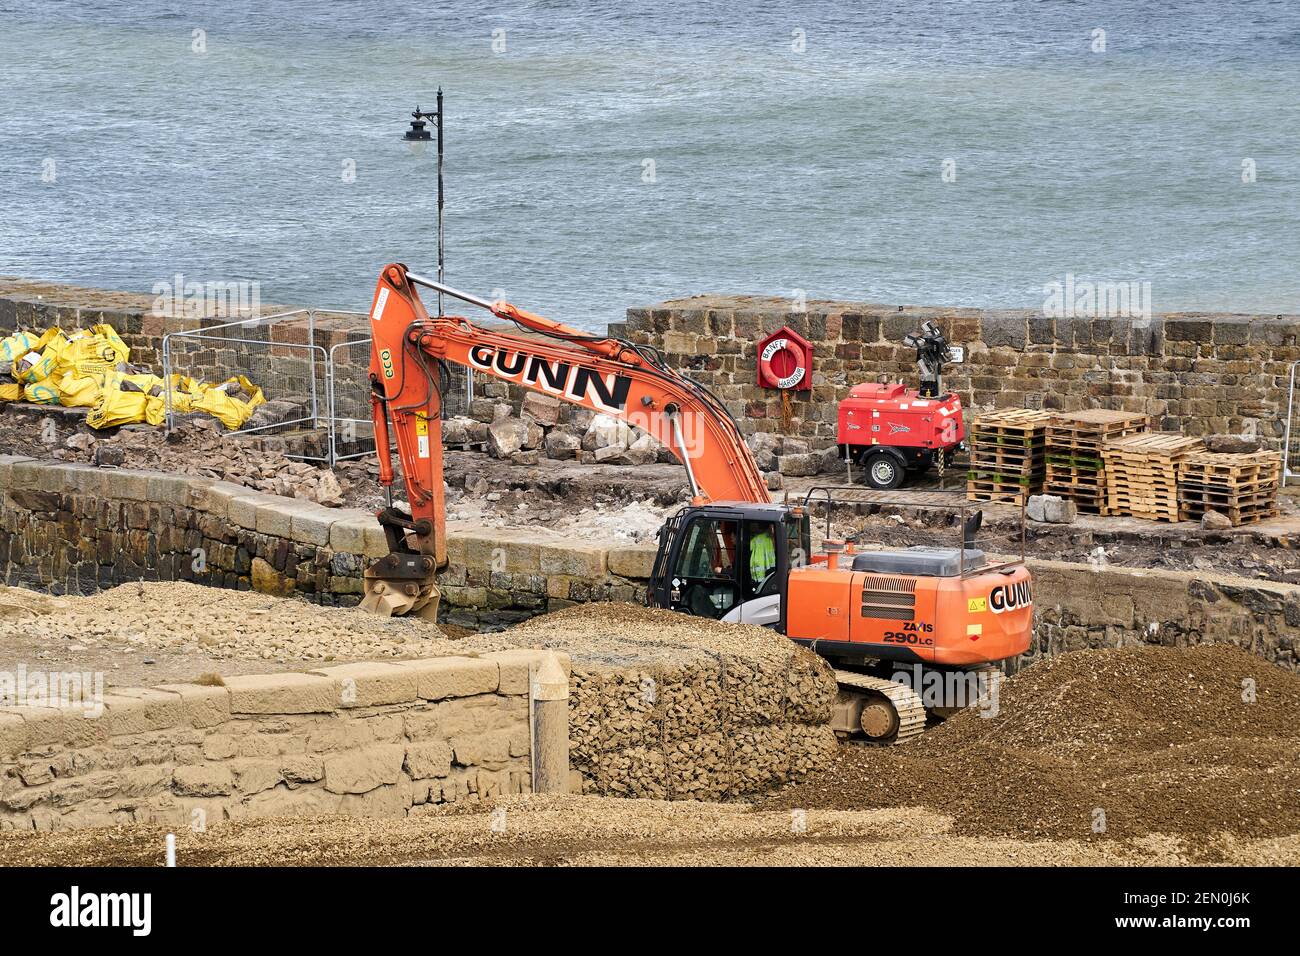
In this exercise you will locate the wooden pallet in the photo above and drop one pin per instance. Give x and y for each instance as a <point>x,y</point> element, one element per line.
<point>1075,466</point>
<point>1142,473</point>
<point>1007,451</point>
<point>1242,487</point>
<point>1089,430</point>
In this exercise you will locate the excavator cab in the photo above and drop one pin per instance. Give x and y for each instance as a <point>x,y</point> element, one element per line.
<point>730,561</point>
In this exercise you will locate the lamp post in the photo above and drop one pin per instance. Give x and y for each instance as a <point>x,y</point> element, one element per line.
<point>419,134</point>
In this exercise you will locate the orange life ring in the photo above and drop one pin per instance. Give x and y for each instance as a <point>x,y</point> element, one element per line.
<point>797,362</point>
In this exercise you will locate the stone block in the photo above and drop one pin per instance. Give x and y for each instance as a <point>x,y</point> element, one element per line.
<point>516,664</point>
<point>442,677</point>
<point>428,759</point>
<point>800,466</point>
<point>348,532</point>
<point>169,489</point>
<point>1051,509</point>
<point>576,560</point>
<point>311,525</point>
<point>13,735</point>
<point>360,771</point>
<point>267,580</point>
<point>138,711</point>
<point>255,776</point>
<point>370,684</point>
<point>203,780</point>
<point>301,768</point>
<point>217,496</point>
<point>543,408</point>
<point>275,516</point>
<point>475,750</point>
<point>242,511</point>
<point>282,694</point>
<point>201,705</point>
<point>636,562</point>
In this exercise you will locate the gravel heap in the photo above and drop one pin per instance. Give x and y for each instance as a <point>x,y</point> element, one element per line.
<point>670,707</point>
<point>1158,739</point>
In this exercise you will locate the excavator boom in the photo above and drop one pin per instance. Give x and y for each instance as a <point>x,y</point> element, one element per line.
<point>606,375</point>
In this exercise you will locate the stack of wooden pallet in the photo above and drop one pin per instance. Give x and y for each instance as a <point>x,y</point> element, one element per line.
<point>1142,474</point>
<point>1007,455</point>
<point>1075,468</point>
<point>1241,487</point>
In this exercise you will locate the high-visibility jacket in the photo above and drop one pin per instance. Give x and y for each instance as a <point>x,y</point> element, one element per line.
<point>762,556</point>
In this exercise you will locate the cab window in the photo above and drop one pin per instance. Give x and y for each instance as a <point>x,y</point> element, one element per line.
<point>710,550</point>
<point>705,581</point>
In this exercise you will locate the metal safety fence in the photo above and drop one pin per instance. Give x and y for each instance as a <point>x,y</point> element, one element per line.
<point>313,367</point>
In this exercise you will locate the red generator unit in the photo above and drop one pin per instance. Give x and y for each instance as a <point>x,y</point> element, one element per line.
<point>891,429</point>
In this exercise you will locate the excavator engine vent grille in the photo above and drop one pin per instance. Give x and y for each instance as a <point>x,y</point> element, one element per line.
<point>890,598</point>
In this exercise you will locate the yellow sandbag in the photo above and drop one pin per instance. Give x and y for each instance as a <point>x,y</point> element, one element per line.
<point>43,358</point>
<point>79,391</point>
<point>184,390</point>
<point>43,392</point>
<point>110,336</point>
<point>233,412</point>
<point>94,352</point>
<point>11,392</point>
<point>16,346</point>
<point>123,400</point>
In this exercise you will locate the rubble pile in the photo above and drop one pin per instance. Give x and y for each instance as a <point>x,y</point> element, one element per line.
<point>198,448</point>
<point>545,427</point>
<point>1098,744</point>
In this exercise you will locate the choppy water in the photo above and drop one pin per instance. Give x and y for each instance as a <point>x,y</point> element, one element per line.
<point>775,170</point>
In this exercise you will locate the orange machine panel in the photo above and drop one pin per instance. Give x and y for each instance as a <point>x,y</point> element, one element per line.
<point>992,617</point>
<point>942,620</point>
<point>818,604</point>
<point>897,611</point>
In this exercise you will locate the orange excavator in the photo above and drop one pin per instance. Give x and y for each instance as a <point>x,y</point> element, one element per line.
<point>910,631</point>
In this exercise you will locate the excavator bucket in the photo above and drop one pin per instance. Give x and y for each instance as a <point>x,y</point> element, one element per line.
<point>400,584</point>
<point>389,597</point>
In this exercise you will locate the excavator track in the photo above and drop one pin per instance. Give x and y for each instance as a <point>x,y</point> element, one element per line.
<point>875,710</point>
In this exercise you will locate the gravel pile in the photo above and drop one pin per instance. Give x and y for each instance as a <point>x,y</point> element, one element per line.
<point>670,707</point>
<point>1158,740</point>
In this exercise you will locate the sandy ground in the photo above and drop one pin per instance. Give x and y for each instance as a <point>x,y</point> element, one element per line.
<point>601,831</point>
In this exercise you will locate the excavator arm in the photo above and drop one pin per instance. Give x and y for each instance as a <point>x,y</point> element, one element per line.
<point>606,375</point>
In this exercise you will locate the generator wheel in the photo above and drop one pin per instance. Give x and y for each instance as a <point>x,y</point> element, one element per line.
<point>884,471</point>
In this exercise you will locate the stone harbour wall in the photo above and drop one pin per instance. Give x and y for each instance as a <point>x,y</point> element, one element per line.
<point>1078,606</point>
<point>1198,372</point>
<point>370,739</point>
<point>76,529</point>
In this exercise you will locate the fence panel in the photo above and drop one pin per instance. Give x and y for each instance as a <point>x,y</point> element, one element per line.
<point>278,353</point>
